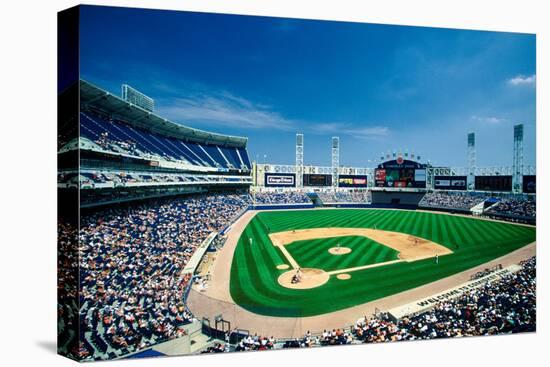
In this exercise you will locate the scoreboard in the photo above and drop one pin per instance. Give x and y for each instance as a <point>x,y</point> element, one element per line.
<point>352,181</point>
<point>450,182</point>
<point>400,177</point>
<point>493,183</point>
<point>400,173</point>
<point>137,98</point>
<point>529,184</point>
<point>317,180</point>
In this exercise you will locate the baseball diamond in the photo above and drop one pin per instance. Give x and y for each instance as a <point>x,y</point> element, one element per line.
<point>254,271</point>
<point>316,253</point>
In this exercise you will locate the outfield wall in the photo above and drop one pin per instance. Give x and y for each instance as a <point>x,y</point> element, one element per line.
<point>280,206</point>
<point>445,209</point>
<point>512,218</point>
<point>396,198</point>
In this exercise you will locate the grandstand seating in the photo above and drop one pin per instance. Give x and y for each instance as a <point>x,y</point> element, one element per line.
<point>120,137</point>
<point>452,200</point>
<point>345,196</point>
<point>504,206</point>
<point>515,207</point>
<point>131,262</point>
<point>109,178</point>
<point>286,197</point>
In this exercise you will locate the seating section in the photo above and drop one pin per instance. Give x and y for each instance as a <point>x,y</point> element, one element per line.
<point>504,206</point>
<point>131,262</point>
<point>452,200</point>
<point>117,136</point>
<point>517,207</point>
<point>345,196</point>
<point>110,178</point>
<point>503,306</point>
<point>287,197</point>
<point>67,290</point>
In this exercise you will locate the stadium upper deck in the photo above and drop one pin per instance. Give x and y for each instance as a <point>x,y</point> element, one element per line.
<point>113,126</point>
<point>116,151</point>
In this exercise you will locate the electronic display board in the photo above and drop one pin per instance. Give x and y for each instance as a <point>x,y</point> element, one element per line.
<point>317,180</point>
<point>352,181</point>
<point>493,183</point>
<point>450,182</point>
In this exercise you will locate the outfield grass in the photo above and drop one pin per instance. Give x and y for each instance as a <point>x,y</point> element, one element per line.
<point>254,285</point>
<point>364,251</point>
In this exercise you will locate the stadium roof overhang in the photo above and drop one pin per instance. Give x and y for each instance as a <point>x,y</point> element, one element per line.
<point>114,106</point>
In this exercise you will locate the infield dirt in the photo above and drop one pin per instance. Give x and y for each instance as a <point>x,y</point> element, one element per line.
<point>410,248</point>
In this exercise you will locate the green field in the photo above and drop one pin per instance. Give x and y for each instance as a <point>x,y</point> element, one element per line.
<point>364,251</point>
<point>254,285</point>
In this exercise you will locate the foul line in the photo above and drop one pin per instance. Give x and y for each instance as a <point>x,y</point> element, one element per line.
<point>357,268</point>
<point>288,257</point>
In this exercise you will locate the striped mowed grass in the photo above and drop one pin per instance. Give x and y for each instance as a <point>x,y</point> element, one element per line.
<point>364,251</point>
<point>254,273</point>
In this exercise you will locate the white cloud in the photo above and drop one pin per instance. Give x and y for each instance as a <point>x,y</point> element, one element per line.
<point>229,110</point>
<point>224,109</point>
<point>367,132</point>
<point>520,80</point>
<point>488,119</point>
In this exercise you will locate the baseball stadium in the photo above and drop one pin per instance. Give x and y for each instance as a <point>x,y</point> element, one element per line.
<point>183,244</point>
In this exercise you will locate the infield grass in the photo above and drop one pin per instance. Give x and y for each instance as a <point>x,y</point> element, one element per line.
<point>364,251</point>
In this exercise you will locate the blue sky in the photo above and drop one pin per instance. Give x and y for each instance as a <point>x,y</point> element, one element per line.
<point>379,88</point>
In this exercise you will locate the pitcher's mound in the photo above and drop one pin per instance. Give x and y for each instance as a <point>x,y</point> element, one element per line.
<point>311,278</point>
<point>282,266</point>
<point>343,276</point>
<point>339,250</point>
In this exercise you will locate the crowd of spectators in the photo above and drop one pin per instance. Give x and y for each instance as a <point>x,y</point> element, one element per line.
<point>110,143</point>
<point>503,306</point>
<point>131,262</point>
<point>67,289</point>
<point>515,207</point>
<point>506,305</point>
<point>485,272</point>
<point>255,342</point>
<point>216,348</point>
<point>286,197</point>
<point>452,200</point>
<point>334,337</point>
<point>345,196</point>
<point>112,179</point>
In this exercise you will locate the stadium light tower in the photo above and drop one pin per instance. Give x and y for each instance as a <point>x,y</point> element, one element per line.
<point>471,161</point>
<point>137,98</point>
<point>517,164</point>
<point>335,160</point>
<point>299,160</point>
